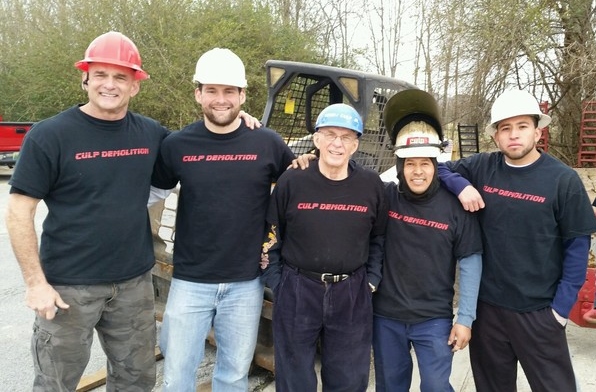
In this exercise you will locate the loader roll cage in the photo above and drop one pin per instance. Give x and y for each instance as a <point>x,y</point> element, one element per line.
<point>298,92</point>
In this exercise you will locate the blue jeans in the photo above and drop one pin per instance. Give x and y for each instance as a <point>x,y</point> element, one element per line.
<point>234,310</point>
<point>392,342</point>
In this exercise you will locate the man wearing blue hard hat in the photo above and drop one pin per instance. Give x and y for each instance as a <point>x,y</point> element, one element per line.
<point>322,259</point>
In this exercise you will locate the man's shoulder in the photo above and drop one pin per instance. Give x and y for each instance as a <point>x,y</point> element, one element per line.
<point>447,199</point>
<point>366,173</point>
<point>554,163</point>
<point>264,133</point>
<point>54,125</point>
<point>148,122</point>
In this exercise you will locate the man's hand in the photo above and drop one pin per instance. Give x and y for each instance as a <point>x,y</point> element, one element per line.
<point>44,300</point>
<point>249,120</point>
<point>470,199</point>
<point>459,337</point>
<point>302,161</point>
<point>590,316</point>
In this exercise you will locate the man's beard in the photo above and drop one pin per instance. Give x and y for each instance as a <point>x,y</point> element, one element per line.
<point>518,155</point>
<point>223,119</point>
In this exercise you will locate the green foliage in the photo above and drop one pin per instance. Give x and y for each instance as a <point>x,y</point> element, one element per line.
<point>41,41</point>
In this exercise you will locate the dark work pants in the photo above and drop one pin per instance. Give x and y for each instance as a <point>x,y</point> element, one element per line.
<point>502,337</point>
<point>340,315</point>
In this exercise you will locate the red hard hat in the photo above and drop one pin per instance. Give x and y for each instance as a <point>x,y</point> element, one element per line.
<point>113,48</point>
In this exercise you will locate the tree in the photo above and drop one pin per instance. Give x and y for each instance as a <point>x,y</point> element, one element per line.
<point>42,40</point>
<point>544,46</point>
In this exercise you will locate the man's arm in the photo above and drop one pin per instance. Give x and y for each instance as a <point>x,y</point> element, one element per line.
<point>40,295</point>
<point>468,196</point>
<point>271,258</point>
<point>470,271</point>
<point>590,315</point>
<point>157,194</point>
<point>302,161</point>
<point>575,256</point>
<point>250,121</point>
<point>374,265</point>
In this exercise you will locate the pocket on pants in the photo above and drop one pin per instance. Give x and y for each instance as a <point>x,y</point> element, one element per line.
<point>42,349</point>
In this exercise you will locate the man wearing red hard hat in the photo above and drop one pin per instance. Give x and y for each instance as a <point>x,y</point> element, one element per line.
<point>93,268</point>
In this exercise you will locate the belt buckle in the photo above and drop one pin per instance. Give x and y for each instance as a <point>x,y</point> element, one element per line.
<point>334,278</point>
<point>324,275</point>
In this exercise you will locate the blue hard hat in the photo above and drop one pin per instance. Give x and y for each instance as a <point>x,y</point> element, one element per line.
<point>340,115</point>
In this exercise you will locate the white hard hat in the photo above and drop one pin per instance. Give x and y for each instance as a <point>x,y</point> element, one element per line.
<point>418,139</point>
<point>514,103</point>
<point>220,66</point>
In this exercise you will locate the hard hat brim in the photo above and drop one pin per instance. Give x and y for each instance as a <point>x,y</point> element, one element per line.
<point>418,152</point>
<point>543,122</point>
<point>83,65</point>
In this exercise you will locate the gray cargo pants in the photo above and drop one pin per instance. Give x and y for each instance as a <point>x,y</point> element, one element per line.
<point>124,317</point>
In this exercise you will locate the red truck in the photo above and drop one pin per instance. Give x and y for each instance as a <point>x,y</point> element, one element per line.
<point>11,138</point>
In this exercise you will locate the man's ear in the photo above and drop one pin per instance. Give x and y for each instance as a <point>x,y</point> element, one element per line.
<point>355,146</point>
<point>538,134</point>
<point>84,81</point>
<point>242,96</point>
<point>198,95</point>
<point>136,88</point>
<point>315,140</point>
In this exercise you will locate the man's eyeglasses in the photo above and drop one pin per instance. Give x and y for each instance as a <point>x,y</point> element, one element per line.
<point>330,137</point>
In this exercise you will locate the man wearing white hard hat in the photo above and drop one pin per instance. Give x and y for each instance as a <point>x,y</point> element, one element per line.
<point>225,172</point>
<point>429,236</point>
<point>536,227</point>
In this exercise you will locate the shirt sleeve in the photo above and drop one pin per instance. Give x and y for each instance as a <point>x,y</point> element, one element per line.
<point>271,263</point>
<point>157,194</point>
<point>575,256</point>
<point>470,271</point>
<point>375,259</point>
<point>163,174</point>
<point>451,180</point>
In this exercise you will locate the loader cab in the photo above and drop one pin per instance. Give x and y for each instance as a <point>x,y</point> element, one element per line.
<point>298,92</point>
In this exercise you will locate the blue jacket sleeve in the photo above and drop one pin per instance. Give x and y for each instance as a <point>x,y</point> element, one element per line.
<point>470,271</point>
<point>574,274</point>
<point>450,180</point>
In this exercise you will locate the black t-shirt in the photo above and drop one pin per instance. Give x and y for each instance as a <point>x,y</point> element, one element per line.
<point>326,225</point>
<point>423,242</point>
<point>225,183</point>
<point>530,212</point>
<point>94,177</point>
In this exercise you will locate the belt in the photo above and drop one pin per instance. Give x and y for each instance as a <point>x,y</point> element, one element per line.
<point>325,277</point>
